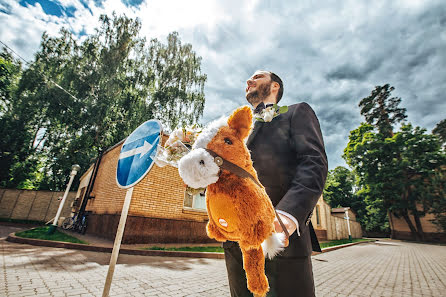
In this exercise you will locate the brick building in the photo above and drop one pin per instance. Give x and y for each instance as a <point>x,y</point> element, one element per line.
<point>400,229</point>
<point>161,211</point>
<point>329,223</point>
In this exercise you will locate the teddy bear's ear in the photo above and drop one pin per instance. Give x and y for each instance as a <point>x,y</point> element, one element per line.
<point>241,121</point>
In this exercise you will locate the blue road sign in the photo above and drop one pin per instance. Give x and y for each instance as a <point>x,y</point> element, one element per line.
<point>138,154</point>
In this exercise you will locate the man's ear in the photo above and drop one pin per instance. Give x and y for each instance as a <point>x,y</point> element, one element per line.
<point>275,88</point>
<point>241,121</point>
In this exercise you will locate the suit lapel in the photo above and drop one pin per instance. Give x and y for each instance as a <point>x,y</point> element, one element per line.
<point>257,126</point>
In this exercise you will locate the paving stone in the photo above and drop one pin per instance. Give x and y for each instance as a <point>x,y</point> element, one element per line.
<point>396,269</point>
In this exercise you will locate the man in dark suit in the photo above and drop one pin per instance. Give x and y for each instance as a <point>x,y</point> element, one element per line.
<point>289,156</point>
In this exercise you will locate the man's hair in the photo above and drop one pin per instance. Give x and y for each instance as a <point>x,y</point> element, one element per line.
<point>276,78</point>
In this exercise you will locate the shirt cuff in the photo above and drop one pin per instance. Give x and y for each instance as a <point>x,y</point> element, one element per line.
<point>291,218</point>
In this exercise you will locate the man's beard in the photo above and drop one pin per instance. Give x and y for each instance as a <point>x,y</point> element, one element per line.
<point>257,96</point>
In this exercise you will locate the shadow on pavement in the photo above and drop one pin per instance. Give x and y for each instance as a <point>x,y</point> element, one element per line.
<point>49,259</point>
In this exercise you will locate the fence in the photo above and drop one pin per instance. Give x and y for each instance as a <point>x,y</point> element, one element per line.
<point>33,205</point>
<point>338,229</point>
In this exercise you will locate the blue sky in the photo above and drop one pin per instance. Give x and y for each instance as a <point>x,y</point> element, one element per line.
<point>330,54</point>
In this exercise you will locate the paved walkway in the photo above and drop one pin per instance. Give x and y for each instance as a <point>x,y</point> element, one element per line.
<point>388,268</point>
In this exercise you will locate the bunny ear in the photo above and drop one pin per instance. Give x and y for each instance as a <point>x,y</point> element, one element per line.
<point>241,121</point>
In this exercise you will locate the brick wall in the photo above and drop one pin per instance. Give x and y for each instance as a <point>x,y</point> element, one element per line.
<point>159,195</point>
<point>32,205</point>
<point>402,230</point>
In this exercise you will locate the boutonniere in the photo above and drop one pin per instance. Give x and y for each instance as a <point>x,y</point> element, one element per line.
<point>269,113</point>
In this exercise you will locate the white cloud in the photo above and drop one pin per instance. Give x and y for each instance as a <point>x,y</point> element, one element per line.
<point>329,53</point>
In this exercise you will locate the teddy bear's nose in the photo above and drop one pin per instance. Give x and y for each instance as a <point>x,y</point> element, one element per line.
<point>201,162</point>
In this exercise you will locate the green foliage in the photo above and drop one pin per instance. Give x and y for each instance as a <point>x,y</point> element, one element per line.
<point>440,130</point>
<point>42,233</point>
<point>115,79</point>
<point>340,191</point>
<point>381,111</point>
<point>399,173</point>
<point>17,163</point>
<point>438,201</point>
<point>396,172</point>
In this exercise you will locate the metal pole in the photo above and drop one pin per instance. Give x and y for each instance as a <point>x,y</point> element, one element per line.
<point>348,224</point>
<point>117,245</point>
<point>74,170</point>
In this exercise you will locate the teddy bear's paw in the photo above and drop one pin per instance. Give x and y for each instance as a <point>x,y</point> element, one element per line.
<point>273,245</point>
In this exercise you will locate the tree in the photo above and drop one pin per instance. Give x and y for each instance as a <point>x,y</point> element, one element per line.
<point>83,97</point>
<point>362,154</point>
<point>338,190</point>
<point>398,173</point>
<point>18,166</point>
<point>440,130</point>
<point>438,203</point>
<point>341,191</point>
<point>175,66</point>
<point>381,111</point>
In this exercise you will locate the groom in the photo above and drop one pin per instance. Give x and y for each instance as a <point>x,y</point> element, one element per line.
<point>289,156</point>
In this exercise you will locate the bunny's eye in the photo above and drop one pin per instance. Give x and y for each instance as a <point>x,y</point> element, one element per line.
<point>228,141</point>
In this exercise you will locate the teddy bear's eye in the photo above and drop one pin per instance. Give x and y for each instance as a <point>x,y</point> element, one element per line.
<point>228,141</point>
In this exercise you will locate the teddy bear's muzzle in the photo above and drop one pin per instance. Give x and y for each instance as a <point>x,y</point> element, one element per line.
<point>198,169</point>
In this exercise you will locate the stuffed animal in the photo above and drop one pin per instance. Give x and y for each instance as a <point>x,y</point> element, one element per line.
<point>238,206</point>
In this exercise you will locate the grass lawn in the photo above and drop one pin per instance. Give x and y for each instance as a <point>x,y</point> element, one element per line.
<point>41,233</point>
<point>341,241</point>
<point>216,249</point>
<point>211,249</point>
<point>22,221</point>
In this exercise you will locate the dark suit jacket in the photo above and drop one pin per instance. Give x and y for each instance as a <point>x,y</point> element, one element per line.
<point>289,156</point>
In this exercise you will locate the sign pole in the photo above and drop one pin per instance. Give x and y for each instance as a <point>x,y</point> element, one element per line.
<point>117,244</point>
<point>136,158</point>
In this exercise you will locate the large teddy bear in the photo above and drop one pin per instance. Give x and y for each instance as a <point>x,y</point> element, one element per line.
<point>238,207</point>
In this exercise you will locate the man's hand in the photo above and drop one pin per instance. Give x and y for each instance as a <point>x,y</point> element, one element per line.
<point>289,224</point>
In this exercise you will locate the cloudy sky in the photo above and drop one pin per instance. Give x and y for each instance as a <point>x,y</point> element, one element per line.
<point>329,54</point>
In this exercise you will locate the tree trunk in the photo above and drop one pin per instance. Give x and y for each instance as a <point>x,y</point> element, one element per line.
<point>413,231</point>
<point>420,231</point>
<point>392,234</point>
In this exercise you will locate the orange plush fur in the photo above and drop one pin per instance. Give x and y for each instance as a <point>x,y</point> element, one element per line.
<point>240,202</point>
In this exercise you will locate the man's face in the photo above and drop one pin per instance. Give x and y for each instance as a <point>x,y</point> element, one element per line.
<point>258,87</point>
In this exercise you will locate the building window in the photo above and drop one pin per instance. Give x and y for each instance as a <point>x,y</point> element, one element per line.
<point>318,216</point>
<point>196,201</point>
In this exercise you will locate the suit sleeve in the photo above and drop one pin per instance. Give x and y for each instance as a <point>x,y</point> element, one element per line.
<point>311,170</point>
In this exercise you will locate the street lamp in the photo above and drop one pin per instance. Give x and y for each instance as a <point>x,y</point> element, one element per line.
<point>348,223</point>
<point>74,169</point>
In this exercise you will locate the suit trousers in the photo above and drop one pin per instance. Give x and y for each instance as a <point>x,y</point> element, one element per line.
<point>287,276</point>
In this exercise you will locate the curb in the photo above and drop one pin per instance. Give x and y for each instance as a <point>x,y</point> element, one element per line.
<point>93,248</point>
<point>336,247</point>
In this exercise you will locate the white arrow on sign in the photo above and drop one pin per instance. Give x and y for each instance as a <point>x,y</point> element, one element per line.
<point>139,150</point>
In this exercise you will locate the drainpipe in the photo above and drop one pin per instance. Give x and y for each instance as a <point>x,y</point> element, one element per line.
<point>90,185</point>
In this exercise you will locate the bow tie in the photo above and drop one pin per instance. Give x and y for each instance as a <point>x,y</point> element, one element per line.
<point>261,107</point>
